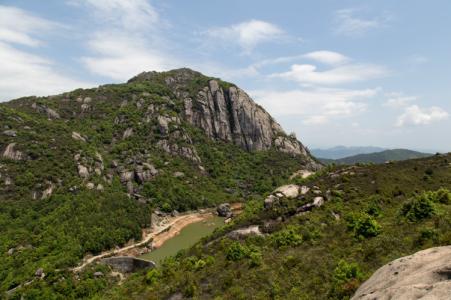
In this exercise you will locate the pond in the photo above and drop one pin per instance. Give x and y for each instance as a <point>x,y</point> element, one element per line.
<point>187,237</point>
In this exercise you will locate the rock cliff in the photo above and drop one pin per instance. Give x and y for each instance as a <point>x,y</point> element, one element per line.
<point>225,112</point>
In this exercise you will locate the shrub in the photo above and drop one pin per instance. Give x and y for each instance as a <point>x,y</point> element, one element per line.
<point>363,226</point>
<point>287,237</point>
<point>256,258</point>
<point>152,276</point>
<point>236,251</point>
<point>419,208</point>
<point>443,196</point>
<point>346,279</point>
<point>428,234</point>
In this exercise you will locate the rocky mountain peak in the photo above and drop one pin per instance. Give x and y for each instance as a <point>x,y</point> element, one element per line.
<point>226,112</point>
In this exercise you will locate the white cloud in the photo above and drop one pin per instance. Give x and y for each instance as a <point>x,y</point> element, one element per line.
<point>327,57</point>
<point>315,105</point>
<point>120,56</point>
<point>348,73</point>
<point>18,26</point>
<point>130,14</point>
<point>398,100</point>
<point>127,39</point>
<point>247,34</point>
<point>22,72</point>
<point>347,23</point>
<point>415,115</point>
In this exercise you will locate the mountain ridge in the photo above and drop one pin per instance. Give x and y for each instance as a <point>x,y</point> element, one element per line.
<point>378,157</point>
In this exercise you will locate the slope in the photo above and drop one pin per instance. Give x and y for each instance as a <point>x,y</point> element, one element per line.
<point>310,247</point>
<point>81,172</point>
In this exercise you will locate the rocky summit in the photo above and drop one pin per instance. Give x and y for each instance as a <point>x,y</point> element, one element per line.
<point>226,112</point>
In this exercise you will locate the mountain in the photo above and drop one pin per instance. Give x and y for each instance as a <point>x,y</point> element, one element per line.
<point>378,157</point>
<point>82,172</point>
<point>343,151</point>
<point>318,238</point>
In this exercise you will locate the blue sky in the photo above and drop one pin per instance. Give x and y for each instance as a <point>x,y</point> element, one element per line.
<point>334,72</point>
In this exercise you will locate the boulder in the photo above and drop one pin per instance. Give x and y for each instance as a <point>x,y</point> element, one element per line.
<point>12,154</point>
<point>76,136</point>
<point>244,232</point>
<point>178,174</point>
<point>47,192</point>
<point>304,190</point>
<point>289,191</point>
<point>98,274</point>
<point>318,201</point>
<point>270,201</point>
<point>11,251</point>
<point>163,124</point>
<point>127,133</point>
<point>302,174</point>
<point>11,133</point>
<point>39,273</point>
<point>126,176</point>
<point>423,275</point>
<point>142,175</point>
<point>224,210</point>
<point>83,171</point>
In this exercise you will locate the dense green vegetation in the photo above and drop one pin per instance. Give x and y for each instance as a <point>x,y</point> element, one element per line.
<point>373,215</point>
<point>51,216</point>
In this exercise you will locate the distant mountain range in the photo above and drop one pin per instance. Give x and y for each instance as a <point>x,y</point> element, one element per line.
<point>378,157</point>
<point>343,151</point>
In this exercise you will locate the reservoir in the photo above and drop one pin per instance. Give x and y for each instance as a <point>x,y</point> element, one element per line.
<point>187,237</point>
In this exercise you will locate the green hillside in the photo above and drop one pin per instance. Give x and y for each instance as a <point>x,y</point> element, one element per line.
<point>81,172</point>
<point>371,215</point>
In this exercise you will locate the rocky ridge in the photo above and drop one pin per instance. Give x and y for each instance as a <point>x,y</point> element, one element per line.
<point>225,112</point>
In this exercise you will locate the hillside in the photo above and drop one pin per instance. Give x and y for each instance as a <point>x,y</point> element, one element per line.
<point>318,240</point>
<point>81,172</point>
<point>338,152</point>
<point>378,157</point>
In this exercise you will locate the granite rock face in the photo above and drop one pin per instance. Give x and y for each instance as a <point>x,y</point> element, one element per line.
<point>423,275</point>
<point>225,112</point>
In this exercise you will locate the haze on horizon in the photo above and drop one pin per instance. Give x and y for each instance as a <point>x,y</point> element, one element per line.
<point>352,73</point>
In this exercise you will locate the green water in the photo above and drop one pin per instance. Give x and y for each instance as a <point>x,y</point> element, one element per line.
<point>188,236</point>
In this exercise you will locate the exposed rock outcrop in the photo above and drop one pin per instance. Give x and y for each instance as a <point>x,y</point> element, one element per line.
<point>11,153</point>
<point>423,275</point>
<point>225,112</point>
<point>11,133</point>
<point>244,232</point>
<point>78,137</point>
<point>224,210</point>
<point>51,113</point>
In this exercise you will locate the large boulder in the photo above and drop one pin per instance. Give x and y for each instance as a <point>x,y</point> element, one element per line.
<point>423,275</point>
<point>289,191</point>
<point>224,210</point>
<point>11,153</point>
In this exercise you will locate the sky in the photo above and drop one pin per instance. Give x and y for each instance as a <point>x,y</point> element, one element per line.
<point>333,72</point>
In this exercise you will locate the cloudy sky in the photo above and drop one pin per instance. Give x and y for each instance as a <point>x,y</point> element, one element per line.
<point>334,72</point>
